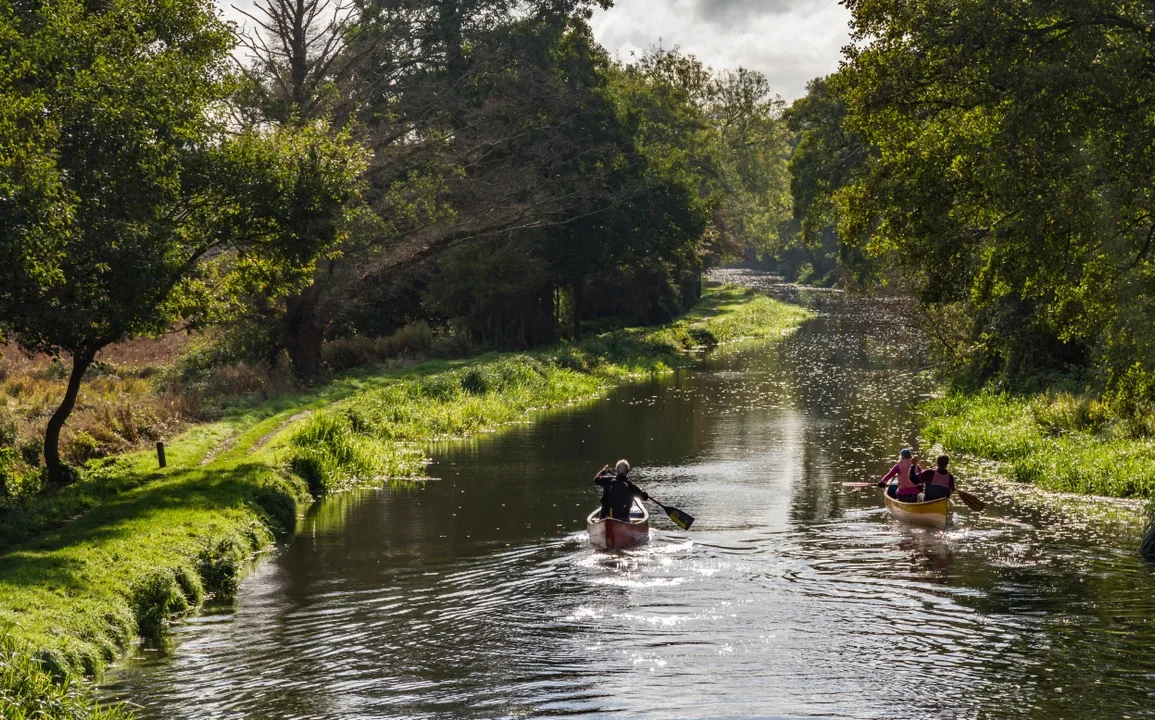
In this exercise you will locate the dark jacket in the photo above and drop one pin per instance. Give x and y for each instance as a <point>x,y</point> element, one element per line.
<point>618,495</point>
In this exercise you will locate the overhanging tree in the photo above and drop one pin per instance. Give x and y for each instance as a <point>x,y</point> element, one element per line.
<point>127,205</point>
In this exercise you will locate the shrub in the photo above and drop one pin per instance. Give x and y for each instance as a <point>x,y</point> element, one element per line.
<point>8,471</point>
<point>31,450</point>
<point>82,447</point>
<point>8,428</point>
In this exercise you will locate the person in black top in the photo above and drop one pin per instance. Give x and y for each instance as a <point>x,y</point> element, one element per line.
<point>938,483</point>
<point>618,492</point>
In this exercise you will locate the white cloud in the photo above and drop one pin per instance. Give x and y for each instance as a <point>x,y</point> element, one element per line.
<point>790,41</point>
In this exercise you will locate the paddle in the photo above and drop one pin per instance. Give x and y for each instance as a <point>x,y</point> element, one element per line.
<point>679,518</point>
<point>971,501</point>
<point>859,485</point>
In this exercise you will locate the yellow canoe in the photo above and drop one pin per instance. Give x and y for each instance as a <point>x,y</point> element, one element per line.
<point>933,513</point>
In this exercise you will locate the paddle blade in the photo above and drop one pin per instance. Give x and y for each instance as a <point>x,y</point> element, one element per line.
<point>971,501</point>
<point>679,518</point>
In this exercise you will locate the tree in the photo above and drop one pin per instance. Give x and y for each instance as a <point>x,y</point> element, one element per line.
<point>1015,156</point>
<point>128,204</point>
<point>827,158</point>
<point>755,149</point>
<point>465,105</point>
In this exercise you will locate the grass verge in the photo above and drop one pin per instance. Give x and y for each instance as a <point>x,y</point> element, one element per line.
<point>1059,441</point>
<point>115,557</point>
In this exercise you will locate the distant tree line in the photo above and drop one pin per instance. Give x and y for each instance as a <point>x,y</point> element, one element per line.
<point>482,167</point>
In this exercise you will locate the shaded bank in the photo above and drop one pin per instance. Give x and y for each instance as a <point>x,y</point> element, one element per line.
<point>127,548</point>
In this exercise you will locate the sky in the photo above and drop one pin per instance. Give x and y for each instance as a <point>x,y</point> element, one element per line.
<point>790,41</point>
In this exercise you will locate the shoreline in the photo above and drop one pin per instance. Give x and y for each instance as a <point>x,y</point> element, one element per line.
<point>147,546</point>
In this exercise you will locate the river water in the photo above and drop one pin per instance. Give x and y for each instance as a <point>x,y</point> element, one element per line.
<point>476,595</point>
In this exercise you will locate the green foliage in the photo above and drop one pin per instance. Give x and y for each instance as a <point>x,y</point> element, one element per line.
<point>1014,152</point>
<point>135,545</point>
<point>376,434</point>
<point>220,564</point>
<point>156,598</point>
<point>130,203</point>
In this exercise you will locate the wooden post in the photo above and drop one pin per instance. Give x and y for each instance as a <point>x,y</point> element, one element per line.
<point>160,453</point>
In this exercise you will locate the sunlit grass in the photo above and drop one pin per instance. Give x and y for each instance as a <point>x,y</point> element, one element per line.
<point>1059,441</point>
<point>373,435</point>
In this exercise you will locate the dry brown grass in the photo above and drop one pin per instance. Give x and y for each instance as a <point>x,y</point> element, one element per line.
<point>122,404</point>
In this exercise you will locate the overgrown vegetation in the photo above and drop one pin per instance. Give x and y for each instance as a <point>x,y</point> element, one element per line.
<point>29,692</point>
<point>374,434</point>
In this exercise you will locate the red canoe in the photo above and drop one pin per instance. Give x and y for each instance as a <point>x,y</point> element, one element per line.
<point>618,534</point>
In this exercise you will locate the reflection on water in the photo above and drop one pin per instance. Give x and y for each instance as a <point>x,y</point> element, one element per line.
<point>476,596</point>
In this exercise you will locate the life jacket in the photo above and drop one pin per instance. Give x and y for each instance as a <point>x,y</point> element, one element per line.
<point>942,479</point>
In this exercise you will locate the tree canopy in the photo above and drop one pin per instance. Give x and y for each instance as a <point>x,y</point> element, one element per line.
<point>128,203</point>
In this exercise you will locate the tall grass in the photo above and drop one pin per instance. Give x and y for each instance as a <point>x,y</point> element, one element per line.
<point>1059,441</point>
<point>28,691</point>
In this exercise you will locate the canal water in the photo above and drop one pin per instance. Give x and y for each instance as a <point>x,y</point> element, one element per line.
<point>476,595</point>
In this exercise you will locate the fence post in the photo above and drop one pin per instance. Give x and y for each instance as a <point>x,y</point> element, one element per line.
<point>160,453</point>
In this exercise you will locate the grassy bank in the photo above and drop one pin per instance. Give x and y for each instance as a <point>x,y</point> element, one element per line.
<point>87,570</point>
<point>1059,441</point>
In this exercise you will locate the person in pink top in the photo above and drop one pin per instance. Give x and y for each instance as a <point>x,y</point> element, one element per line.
<point>906,469</point>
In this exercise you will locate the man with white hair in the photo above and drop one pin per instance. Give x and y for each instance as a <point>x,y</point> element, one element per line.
<point>618,492</point>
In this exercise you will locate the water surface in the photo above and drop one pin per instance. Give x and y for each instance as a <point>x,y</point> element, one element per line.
<point>476,596</point>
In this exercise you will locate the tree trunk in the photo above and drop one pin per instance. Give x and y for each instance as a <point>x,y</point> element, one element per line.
<point>57,472</point>
<point>579,307</point>
<point>304,332</point>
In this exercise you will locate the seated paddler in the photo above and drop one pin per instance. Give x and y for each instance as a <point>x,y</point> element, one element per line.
<point>938,483</point>
<point>618,492</point>
<point>908,471</point>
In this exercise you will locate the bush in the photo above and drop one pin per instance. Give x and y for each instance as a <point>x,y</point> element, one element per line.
<point>82,447</point>
<point>1132,397</point>
<point>9,473</point>
<point>8,433</point>
<point>31,450</point>
<point>347,353</point>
